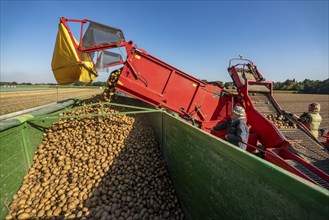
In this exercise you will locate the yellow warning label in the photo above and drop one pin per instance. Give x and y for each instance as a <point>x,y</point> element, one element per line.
<point>137,57</point>
<point>120,83</point>
<point>194,84</point>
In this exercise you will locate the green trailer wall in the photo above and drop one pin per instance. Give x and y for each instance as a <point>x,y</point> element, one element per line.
<point>17,147</point>
<point>213,179</point>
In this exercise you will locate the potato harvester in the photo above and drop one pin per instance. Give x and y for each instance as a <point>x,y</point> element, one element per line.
<point>275,135</point>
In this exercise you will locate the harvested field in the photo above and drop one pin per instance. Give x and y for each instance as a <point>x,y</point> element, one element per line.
<point>20,100</point>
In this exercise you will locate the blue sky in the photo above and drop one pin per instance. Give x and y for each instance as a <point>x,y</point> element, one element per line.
<point>285,39</point>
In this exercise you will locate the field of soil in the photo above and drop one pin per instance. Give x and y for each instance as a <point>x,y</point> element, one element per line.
<point>20,100</point>
<point>16,101</point>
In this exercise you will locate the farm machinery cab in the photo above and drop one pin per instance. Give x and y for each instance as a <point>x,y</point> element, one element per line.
<point>285,142</point>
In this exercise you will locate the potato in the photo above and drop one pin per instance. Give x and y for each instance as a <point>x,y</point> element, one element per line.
<point>101,167</point>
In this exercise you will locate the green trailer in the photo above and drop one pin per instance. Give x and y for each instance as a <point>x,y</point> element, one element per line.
<point>212,178</point>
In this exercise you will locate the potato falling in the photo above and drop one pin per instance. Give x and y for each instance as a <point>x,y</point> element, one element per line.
<point>109,91</point>
<point>280,121</point>
<point>105,167</point>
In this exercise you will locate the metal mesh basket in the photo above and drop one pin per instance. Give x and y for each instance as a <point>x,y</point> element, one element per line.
<point>98,34</point>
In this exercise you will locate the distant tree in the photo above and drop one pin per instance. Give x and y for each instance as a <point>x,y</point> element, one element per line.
<point>277,85</point>
<point>8,83</point>
<point>99,83</point>
<point>321,86</point>
<point>298,87</point>
<point>79,84</point>
<point>221,83</point>
<point>228,84</point>
<point>309,85</point>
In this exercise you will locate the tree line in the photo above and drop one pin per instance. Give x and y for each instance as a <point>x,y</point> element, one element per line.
<point>305,86</point>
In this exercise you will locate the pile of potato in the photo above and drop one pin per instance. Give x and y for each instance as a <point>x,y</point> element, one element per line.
<point>280,121</point>
<point>105,167</point>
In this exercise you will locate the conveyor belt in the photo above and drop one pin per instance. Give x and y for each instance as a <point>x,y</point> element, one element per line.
<point>308,173</point>
<point>304,145</point>
<point>262,102</point>
<point>308,149</point>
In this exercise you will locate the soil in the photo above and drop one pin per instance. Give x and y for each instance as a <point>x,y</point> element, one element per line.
<point>20,100</point>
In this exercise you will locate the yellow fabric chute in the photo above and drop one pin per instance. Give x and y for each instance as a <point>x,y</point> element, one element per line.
<point>66,65</point>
